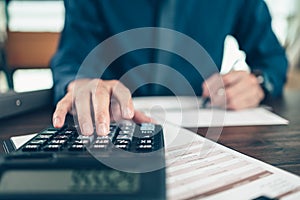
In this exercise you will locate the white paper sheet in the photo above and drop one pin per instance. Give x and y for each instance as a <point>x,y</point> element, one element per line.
<point>198,168</point>
<point>187,112</point>
<point>18,141</point>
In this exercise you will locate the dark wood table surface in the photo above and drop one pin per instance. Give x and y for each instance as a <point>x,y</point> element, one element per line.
<point>277,145</point>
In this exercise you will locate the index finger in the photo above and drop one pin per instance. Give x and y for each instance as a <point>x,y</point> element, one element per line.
<point>123,96</point>
<point>61,110</point>
<point>233,77</point>
<point>211,85</point>
<point>101,102</point>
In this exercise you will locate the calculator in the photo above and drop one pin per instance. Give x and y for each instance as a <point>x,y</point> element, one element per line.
<point>128,163</point>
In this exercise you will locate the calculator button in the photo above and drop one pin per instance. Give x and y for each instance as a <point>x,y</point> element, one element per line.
<point>53,147</point>
<point>84,142</point>
<point>145,136</point>
<point>147,127</point>
<point>77,147</point>
<point>31,147</point>
<point>144,147</point>
<point>147,132</point>
<point>69,132</point>
<point>103,138</point>
<point>127,128</point>
<point>62,137</point>
<point>145,141</point>
<point>122,142</point>
<point>43,137</point>
<point>86,138</point>
<point>100,146</point>
<point>103,141</point>
<point>38,142</point>
<point>113,126</point>
<point>124,137</point>
<point>122,146</point>
<point>126,123</point>
<point>125,132</point>
<point>59,142</point>
<point>49,132</point>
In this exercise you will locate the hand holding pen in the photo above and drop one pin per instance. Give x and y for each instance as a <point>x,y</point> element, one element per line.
<point>235,90</point>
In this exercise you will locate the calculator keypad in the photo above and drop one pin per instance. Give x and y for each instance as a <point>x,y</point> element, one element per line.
<point>126,136</point>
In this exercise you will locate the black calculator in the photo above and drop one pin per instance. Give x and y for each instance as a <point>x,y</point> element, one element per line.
<point>128,163</point>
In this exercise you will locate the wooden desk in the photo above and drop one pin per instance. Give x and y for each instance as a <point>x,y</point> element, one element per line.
<point>276,145</point>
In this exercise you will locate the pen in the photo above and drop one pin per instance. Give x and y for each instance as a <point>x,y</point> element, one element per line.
<point>205,102</point>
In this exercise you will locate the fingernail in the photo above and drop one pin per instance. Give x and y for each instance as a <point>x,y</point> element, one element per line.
<point>102,129</point>
<point>221,92</point>
<point>87,129</point>
<point>56,122</point>
<point>153,121</point>
<point>127,113</point>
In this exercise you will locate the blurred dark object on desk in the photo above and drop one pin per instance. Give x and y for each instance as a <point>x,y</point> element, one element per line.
<point>13,103</point>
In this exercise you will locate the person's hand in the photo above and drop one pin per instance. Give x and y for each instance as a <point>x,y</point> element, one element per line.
<point>98,101</point>
<point>240,90</point>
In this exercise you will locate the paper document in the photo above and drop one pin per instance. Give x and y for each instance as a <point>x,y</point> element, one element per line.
<point>187,112</point>
<point>198,168</point>
<point>18,141</point>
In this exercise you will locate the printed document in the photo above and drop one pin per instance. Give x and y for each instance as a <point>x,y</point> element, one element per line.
<point>198,168</point>
<point>188,112</point>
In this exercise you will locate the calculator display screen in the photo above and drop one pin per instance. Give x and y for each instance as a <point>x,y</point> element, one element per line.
<point>63,181</point>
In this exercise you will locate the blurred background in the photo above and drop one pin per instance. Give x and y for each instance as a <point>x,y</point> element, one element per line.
<point>29,33</point>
